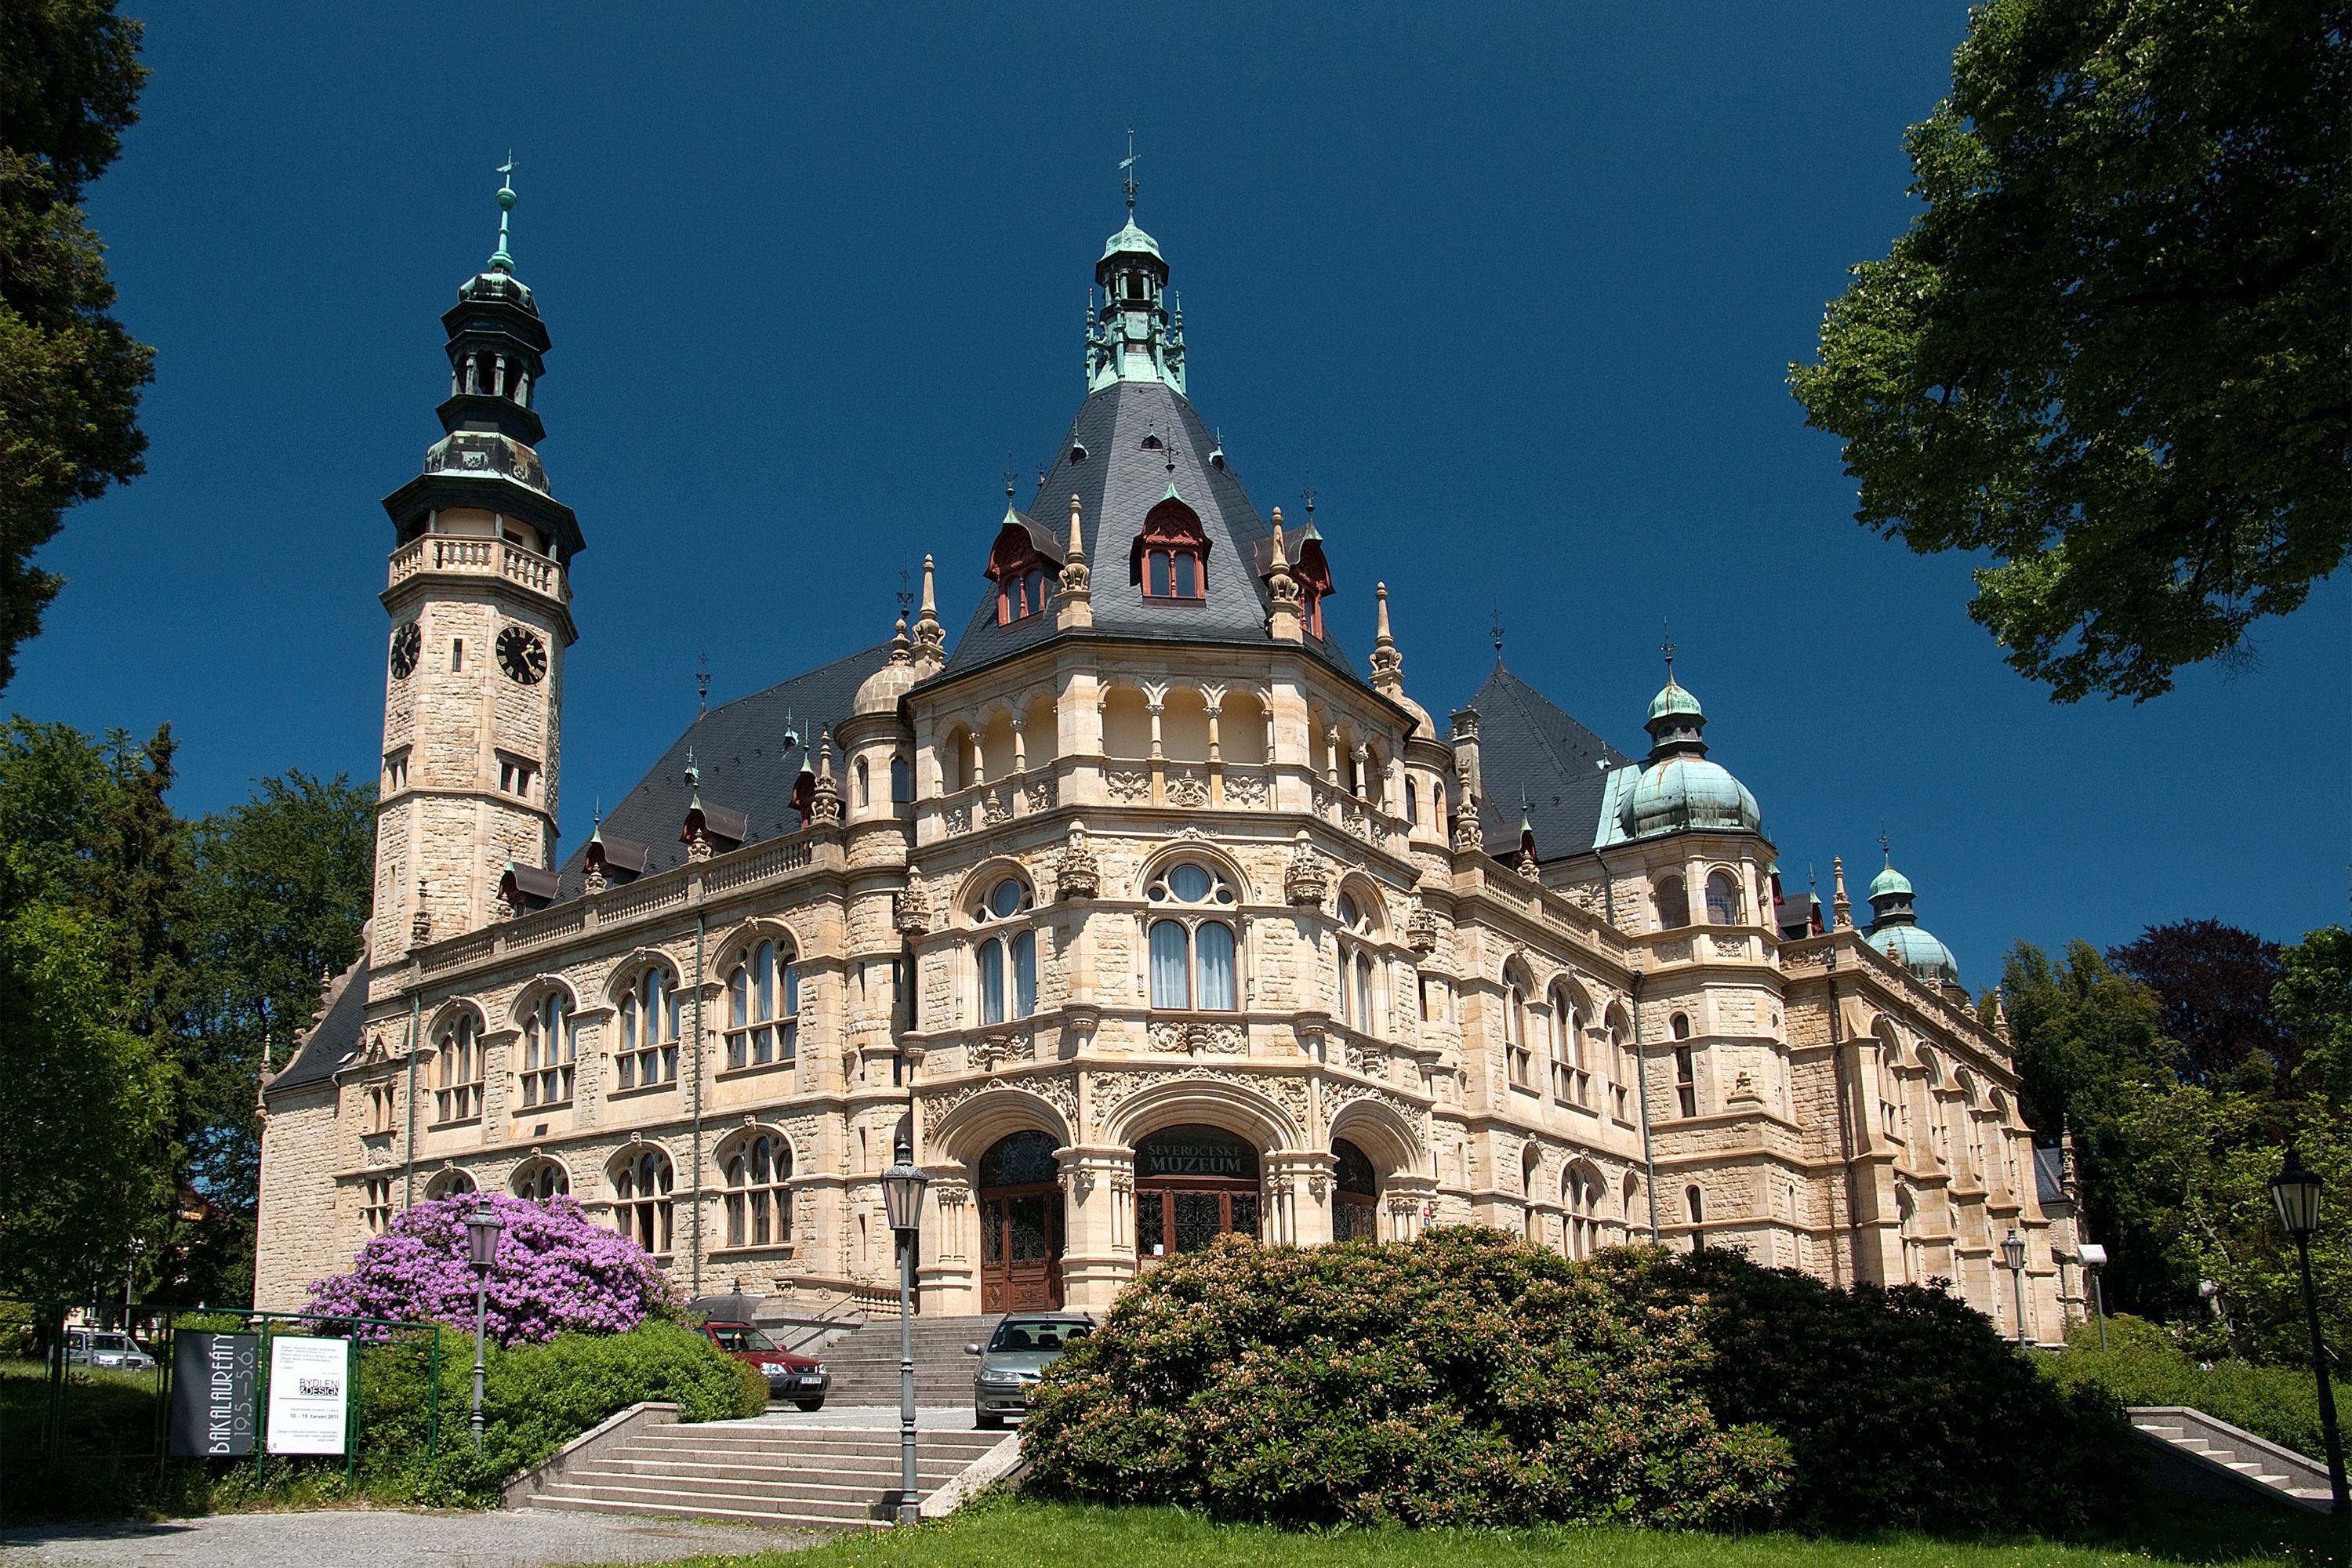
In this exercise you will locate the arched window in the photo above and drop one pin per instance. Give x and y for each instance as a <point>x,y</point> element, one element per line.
<point>1697,1215</point>
<point>541,1180</point>
<point>549,1046</point>
<point>448,1184</point>
<point>1019,574</point>
<point>1192,959</point>
<point>1580,1190</point>
<point>1411,803</point>
<point>1674,905</point>
<point>758,1202</point>
<point>1572,1083</point>
<point>1518,1061</point>
<point>864,785</point>
<point>1530,1166</point>
<point>457,1070</point>
<point>1622,1072</point>
<point>1007,965</point>
<point>1685,1081</point>
<point>649,1028</point>
<point>1355,1211</point>
<point>641,1209</point>
<point>1723,901</point>
<point>763,1006</point>
<point>1355,965</point>
<point>902,788</point>
<point>1170,559</point>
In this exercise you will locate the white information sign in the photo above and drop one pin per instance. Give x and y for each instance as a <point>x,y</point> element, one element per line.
<point>309,1395</point>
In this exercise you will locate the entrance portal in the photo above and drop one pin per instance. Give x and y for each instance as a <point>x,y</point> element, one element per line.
<point>1020,1225</point>
<point>1355,1209</point>
<point>1192,1184</point>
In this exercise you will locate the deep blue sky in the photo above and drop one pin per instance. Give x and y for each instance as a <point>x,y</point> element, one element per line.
<point>1517,283</point>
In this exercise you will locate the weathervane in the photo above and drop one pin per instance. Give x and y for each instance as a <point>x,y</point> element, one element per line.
<point>906,593</point>
<point>1498,633</point>
<point>1127,166</point>
<point>1666,647</point>
<point>500,258</point>
<point>702,684</point>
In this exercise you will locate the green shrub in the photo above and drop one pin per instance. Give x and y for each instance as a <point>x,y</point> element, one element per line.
<point>1904,1408</point>
<point>2144,1364</point>
<point>1461,1378</point>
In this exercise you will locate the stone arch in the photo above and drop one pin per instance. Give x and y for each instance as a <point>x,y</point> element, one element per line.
<point>1370,899</point>
<point>1159,861</point>
<point>1213,1102</point>
<point>955,748</point>
<point>1040,738</point>
<point>449,1182</point>
<point>978,882</point>
<point>1241,728</point>
<point>966,1130</point>
<point>1184,725</point>
<point>445,1016</point>
<point>539,1177</point>
<point>630,964</point>
<point>996,743</point>
<point>1387,1136</point>
<point>1126,723</point>
<point>537,989</point>
<point>733,945</point>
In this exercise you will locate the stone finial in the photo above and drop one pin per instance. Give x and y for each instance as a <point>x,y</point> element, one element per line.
<point>901,650</point>
<point>420,925</point>
<point>700,847</point>
<point>1307,878</point>
<point>930,638</point>
<point>1078,607</point>
<point>1840,907</point>
<point>1388,663</point>
<point>824,803</point>
<point>2000,1017</point>
<point>1285,621</point>
<point>592,877</point>
<point>914,914</point>
<point>1467,834</point>
<point>1077,873</point>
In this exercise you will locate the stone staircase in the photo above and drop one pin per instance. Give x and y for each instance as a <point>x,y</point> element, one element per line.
<point>863,1363</point>
<point>769,1472</point>
<point>2200,1456</point>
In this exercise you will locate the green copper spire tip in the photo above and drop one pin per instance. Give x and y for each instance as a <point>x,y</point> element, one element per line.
<point>500,261</point>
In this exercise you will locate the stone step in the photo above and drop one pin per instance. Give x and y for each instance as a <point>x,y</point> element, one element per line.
<point>764,1476</point>
<point>809,1442</point>
<point>658,1503</point>
<point>853,1493</point>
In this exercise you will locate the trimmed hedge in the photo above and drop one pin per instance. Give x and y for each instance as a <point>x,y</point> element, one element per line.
<point>2143,1364</point>
<point>1463,1378</point>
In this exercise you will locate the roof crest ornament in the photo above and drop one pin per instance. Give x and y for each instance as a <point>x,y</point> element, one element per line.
<point>1078,596</point>
<point>1498,637</point>
<point>1285,621</point>
<point>1388,663</point>
<point>930,638</point>
<point>1126,167</point>
<point>500,259</point>
<point>1840,907</point>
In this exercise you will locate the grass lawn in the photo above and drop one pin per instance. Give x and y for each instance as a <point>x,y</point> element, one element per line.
<point>1013,1534</point>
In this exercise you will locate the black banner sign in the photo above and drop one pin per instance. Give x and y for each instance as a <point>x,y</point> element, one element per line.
<point>214,1378</point>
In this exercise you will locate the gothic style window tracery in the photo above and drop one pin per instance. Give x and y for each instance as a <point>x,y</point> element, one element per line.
<point>1355,966</point>
<point>1193,958</point>
<point>548,1049</point>
<point>457,1070</point>
<point>759,1201</point>
<point>1006,965</point>
<point>448,1184</point>
<point>641,1190</point>
<point>1519,1062</point>
<point>540,1180</point>
<point>763,1006</point>
<point>1572,1083</point>
<point>649,1029</point>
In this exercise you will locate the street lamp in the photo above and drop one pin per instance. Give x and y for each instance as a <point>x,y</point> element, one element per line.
<point>902,1204</point>
<point>2296,1191</point>
<point>2012,1247</point>
<point>2093,1258</point>
<point>483,1228</point>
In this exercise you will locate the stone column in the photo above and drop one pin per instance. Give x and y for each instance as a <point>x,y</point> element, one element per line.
<point>1298,1188</point>
<point>1098,1224</point>
<point>947,1277</point>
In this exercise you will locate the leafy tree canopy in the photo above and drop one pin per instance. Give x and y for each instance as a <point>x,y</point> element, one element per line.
<point>69,372</point>
<point>2111,351</point>
<point>2213,982</point>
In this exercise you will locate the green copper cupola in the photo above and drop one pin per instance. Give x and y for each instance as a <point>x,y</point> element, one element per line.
<point>1137,333</point>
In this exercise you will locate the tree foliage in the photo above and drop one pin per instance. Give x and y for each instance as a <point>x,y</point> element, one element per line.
<point>2111,351</point>
<point>70,374</point>
<point>2212,983</point>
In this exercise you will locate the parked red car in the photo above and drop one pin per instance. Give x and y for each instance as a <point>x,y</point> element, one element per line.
<point>800,1379</point>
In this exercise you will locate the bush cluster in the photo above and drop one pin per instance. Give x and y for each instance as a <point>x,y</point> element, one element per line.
<point>1463,1378</point>
<point>2144,1365</point>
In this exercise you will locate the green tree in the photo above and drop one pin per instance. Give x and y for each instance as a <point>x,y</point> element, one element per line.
<point>2312,999</point>
<point>70,374</point>
<point>2111,351</point>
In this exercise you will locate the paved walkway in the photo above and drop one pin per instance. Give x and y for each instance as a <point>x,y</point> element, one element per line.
<point>524,1538</point>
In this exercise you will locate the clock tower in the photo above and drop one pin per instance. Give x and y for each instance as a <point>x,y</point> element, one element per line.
<point>480,600</point>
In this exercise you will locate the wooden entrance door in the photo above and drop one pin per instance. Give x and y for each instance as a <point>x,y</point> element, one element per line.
<point>1020,1248</point>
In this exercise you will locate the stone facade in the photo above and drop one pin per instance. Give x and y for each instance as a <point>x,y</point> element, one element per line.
<point>1549,1043</point>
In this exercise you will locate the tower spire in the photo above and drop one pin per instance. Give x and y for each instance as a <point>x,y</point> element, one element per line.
<point>1127,166</point>
<point>930,637</point>
<point>500,260</point>
<point>1078,607</point>
<point>1388,663</point>
<point>1285,621</point>
<point>1840,907</point>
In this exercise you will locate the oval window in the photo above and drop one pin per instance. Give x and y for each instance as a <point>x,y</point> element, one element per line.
<point>1005,899</point>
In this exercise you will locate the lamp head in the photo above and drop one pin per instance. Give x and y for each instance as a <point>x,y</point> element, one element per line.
<point>2296,1191</point>
<point>2012,1247</point>
<point>902,1191</point>
<point>483,1228</point>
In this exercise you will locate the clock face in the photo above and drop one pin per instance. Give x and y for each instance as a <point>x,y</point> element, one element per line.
<point>407,643</point>
<point>522,656</point>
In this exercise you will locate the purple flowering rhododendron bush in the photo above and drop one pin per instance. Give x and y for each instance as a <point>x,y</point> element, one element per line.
<point>557,1273</point>
<point>1460,1378</point>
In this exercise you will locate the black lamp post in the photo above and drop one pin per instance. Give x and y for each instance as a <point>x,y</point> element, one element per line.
<point>2013,1250</point>
<point>902,1204</point>
<point>483,1228</point>
<point>2296,1191</point>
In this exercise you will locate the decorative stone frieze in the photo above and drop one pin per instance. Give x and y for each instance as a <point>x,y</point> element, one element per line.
<point>1306,879</point>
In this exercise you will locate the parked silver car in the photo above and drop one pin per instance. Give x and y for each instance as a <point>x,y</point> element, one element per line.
<point>104,1347</point>
<point>1024,1344</point>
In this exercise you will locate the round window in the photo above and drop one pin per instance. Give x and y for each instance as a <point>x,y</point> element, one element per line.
<point>1006,898</point>
<point>1191,884</point>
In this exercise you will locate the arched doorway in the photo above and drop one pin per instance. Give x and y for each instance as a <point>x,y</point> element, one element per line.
<point>1192,1184</point>
<point>1355,1210</point>
<point>1020,1225</point>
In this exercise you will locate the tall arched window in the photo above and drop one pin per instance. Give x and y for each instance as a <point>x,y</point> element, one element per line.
<point>864,785</point>
<point>1698,1205</point>
<point>1193,958</point>
<point>1572,1083</point>
<point>1518,1061</point>
<point>759,1203</point>
<point>902,787</point>
<point>1530,1166</point>
<point>1674,904</point>
<point>641,1189</point>
<point>1722,900</point>
<point>540,1180</point>
<point>1006,965</point>
<point>1355,965</point>
<point>1580,1190</point>
<point>763,1006</point>
<point>548,1048</point>
<point>649,1029</point>
<point>457,1070</point>
<point>1171,554</point>
<point>1685,1081</point>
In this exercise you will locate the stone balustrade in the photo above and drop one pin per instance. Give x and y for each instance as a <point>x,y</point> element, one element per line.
<point>462,555</point>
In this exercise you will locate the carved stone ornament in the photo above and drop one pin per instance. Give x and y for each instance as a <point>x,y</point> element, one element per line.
<point>1467,836</point>
<point>1188,788</point>
<point>1529,869</point>
<point>1129,783</point>
<point>1421,932</point>
<point>1307,878</point>
<point>1077,873</point>
<point>699,848</point>
<point>914,916</point>
<point>592,880</point>
<point>1316,1185</point>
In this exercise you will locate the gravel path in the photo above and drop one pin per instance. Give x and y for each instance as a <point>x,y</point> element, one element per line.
<point>524,1538</point>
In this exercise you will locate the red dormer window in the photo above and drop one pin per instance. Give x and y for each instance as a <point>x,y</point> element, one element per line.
<point>1023,560</point>
<point>1314,575</point>
<point>1171,559</point>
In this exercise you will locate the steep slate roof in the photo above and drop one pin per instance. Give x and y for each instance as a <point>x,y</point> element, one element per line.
<point>1117,482</point>
<point>745,767</point>
<point>2050,1174</point>
<point>336,1035</point>
<point>1527,742</point>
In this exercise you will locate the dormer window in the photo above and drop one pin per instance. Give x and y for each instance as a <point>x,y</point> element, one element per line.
<point>1021,561</point>
<point>1170,559</point>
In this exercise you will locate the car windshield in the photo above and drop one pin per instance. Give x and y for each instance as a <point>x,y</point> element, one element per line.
<point>1038,1334</point>
<point>108,1343</point>
<point>735,1339</point>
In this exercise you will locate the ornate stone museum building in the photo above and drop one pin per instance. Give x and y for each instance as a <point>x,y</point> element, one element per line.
<point>1142,908</point>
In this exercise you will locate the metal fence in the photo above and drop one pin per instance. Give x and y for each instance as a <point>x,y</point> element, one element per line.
<point>77,1436</point>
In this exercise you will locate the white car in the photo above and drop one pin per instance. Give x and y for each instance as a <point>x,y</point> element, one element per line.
<point>104,1347</point>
